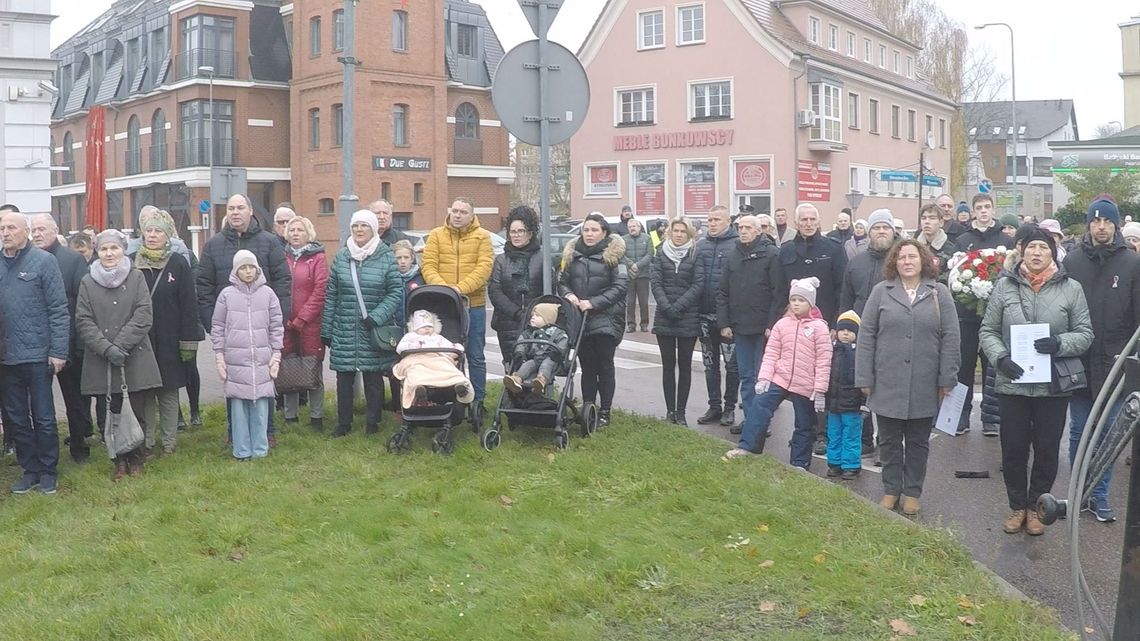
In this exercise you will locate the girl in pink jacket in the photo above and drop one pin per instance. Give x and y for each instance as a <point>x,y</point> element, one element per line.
<point>796,366</point>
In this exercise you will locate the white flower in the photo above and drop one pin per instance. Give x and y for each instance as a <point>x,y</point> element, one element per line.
<point>987,252</point>
<point>977,262</point>
<point>956,286</point>
<point>1001,249</point>
<point>967,274</point>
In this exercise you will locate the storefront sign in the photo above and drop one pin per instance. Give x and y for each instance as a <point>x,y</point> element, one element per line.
<point>602,180</point>
<point>753,175</point>
<point>675,140</point>
<point>649,190</point>
<point>1120,158</point>
<point>400,163</point>
<point>814,181</point>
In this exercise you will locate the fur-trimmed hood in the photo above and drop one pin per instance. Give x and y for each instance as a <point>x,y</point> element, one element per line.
<point>611,254</point>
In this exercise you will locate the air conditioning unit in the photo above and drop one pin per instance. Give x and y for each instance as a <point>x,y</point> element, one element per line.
<point>805,118</point>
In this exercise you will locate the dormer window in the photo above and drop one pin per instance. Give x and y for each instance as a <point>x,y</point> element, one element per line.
<point>465,36</point>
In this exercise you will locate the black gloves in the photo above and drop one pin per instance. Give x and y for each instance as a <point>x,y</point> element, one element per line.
<point>1012,370</point>
<point>368,322</point>
<point>116,355</point>
<point>1047,345</point>
<point>326,341</point>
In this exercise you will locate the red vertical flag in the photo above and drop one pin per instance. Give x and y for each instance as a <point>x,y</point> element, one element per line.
<point>96,173</point>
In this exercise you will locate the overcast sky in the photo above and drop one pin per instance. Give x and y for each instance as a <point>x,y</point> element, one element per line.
<point>1064,49</point>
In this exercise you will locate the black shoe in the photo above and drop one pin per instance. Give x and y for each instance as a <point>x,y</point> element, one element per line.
<point>317,423</point>
<point>709,417</point>
<point>728,417</point>
<point>868,451</point>
<point>820,447</point>
<point>850,475</point>
<point>195,419</point>
<point>644,328</point>
<point>679,419</point>
<point>293,420</point>
<point>737,429</point>
<point>990,429</point>
<point>372,428</point>
<point>81,457</point>
<point>629,328</point>
<point>181,422</point>
<point>962,429</point>
<point>341,430</point>
<point>603,418</point>
<point>833,471</point>
<point>670,417</point>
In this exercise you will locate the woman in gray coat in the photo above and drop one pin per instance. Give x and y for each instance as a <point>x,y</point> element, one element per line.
<point>112,319</point>
<point>1033,289</point>
<point>906,360</point>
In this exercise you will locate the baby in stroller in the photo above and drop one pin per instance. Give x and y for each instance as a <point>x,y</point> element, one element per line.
<point>420,370</point>
<point>539,360</point>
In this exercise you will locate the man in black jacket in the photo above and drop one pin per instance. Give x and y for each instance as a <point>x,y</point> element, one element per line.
<point>45,236</point>
<point>388,235</point>
<point>865,269</point>
<point>984,233</point>
<point>843,230</point>
<point>1109,273</point>
<point>951,227</point>
<point>281,217</point>
<point>712,252</point>
<point>743,299</point>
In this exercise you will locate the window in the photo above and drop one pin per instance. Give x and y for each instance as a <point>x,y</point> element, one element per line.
<point>709,100</point>
<point>134,59</point>
<point>467,121</point>
<point>909,67</point>
<point>338,30</point>
<point>636,107</point>
<point>602,180</point>
<point>158,141</point>
<point>850,45</point>
<point>399,125</point>
<point>418,193</point>
<point>867,50</point>
<point>882,56</point>
<point>895,61</point>
<point>691,24</point>
<point>386,191</point>
<point>399,30</point>
<point>134,150</point>
<point>315,36</point>
<point>751,182</point>
<point>813,30</point>
<point>314,129</point>
<point>651,29</point>
<point>465,40</point>
<point>698,187</point>
<point>193,149</point>
<point>942,133</point>
<point>825,104</point>
<point>853,110</point>
<point>158,48</point>
<point>895,117</point>
<point>207,40</point>
<point>833,37</point>
<point>929,126</point>
<point>325,206</point>
<point>873,115</point>
<point>68,159</point>
<point>911,125</point>
<point>338,125</point>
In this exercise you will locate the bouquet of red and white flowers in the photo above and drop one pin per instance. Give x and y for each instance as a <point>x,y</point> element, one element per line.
<point>972,276</point>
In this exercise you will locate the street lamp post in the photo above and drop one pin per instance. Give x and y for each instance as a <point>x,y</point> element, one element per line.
<point>1013,91</point>
<point>206,69</point>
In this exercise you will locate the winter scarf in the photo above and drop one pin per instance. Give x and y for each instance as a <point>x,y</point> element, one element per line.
<point>360,253</point>
<point>1037,281</point>
<point>675,253</point>
<point>111,278</point>
<point>589,250</point>
<point>153,258</point>
<point>298,252</point>
<point>412,272</point>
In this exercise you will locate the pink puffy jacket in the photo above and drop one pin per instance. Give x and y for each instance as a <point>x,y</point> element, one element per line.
<point>798,356</point>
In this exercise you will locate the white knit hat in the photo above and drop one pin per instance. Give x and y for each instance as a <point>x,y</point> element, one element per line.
<point>804,288</point>
<point>421,317</point>
<point>367,217</point>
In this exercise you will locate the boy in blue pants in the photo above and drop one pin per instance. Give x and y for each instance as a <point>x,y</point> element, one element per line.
<point>844,400</point>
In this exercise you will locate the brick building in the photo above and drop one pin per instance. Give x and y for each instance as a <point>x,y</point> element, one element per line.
<point>425,129</point>
<point>150,64</point>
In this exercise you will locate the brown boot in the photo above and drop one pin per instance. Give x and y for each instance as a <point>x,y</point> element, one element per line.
<point>135,468</point>
<point>513,384</point>
<point>910,505</point>
<point>1013,522</point>
<point>538,385</point>
<point>120,470</point>
<point>1033,525</point>
<point>889,501</point>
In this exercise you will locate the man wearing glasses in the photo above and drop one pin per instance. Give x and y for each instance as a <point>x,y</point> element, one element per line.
<point>281,218</point>
<point>388,235</point>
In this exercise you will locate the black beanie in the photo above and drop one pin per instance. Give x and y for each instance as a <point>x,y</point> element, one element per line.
<point>1104,208</point>
<point>1030,232</point>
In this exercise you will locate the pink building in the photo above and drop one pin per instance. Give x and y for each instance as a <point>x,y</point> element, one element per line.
<point>769,103</point>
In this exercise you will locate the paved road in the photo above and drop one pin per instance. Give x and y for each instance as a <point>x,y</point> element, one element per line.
<point>972,509</point>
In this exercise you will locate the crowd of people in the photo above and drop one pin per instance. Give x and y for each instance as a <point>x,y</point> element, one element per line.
<point>857,327</point>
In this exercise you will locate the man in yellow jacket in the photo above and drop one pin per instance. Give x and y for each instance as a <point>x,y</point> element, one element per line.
<point>458,254</point>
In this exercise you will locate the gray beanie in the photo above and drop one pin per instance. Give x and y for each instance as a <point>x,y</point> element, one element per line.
<point>881,216</point>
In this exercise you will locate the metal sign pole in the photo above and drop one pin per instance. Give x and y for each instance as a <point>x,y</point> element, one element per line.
<point>544,148</point>
<point>348,201</point>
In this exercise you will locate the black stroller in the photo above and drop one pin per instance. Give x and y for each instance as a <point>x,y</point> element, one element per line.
<point>546,412</point>
<point>442,412</point>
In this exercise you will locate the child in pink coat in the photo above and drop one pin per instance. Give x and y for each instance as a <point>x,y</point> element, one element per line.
<point>796,366</point>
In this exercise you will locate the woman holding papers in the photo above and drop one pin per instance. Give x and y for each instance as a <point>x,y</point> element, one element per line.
<point>1035,309</point>
<point>906,359</point>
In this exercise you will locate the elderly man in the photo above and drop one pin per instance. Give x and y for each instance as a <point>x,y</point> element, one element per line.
<point>950,226</point>
<point>843,230</point>
<point>73,267</point>
<point>388,235</point>
<point>285,212</point>
<point>1110,275</point>
<point>35,346</point>
<point>743,301</point>
<point>711,252</point>
<point>458,253</point>
<point>783,232</point>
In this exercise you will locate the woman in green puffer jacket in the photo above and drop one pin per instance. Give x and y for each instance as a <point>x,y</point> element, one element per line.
<point>1033,289</point>
<point>346,331</point>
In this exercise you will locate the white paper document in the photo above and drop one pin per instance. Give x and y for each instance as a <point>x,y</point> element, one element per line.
<point>951,410</point>
<point>1037,366</point>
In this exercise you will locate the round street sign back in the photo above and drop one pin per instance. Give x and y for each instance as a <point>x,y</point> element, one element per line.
<point>516,96</point>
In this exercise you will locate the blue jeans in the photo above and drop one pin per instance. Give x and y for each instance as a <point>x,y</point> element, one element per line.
<point>749,350</point>
<point>30,416</point>
<point>845,439</point>
<point>756,420</point>
<point>476,360</point>
<point>1080,406</point>
<point>250,421</point>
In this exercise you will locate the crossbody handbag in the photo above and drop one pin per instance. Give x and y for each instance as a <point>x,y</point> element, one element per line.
<point>382,337</point>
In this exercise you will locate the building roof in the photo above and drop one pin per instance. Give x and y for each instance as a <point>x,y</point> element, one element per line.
<point>1039,118</point>
<point>1127,138</point>
<point>481,71</point>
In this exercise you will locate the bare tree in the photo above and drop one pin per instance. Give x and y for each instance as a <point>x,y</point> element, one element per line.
<point>1107,129</point>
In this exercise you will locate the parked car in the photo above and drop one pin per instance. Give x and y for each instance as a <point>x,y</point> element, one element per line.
<point>419,237</point>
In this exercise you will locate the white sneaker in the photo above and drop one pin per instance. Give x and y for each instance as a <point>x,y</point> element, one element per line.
<point>737,452</point>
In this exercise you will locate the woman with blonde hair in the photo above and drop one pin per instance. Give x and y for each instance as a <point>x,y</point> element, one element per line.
<point>675,276</point>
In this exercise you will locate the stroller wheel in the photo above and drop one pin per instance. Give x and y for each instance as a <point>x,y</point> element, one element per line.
<point>589,419</point>
<point>562,440</point>
<point>490,439</point>
<point>399,443</point>
<point>442,442</point>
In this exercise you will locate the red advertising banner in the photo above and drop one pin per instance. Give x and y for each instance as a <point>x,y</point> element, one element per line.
<point>649,190</point>
<point>96,174</point>
<point>603,180</point>
<point>753,175</point>
<point>814,181</point>
<point>699,180</point>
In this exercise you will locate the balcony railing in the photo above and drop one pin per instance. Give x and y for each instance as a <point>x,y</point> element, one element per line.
<point>158,161</point>
<point>134,162</point>
<point>186,63</point>
<point>468,151</point>
<point>195,152</point>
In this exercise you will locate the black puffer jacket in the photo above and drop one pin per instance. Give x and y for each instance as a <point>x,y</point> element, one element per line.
<point>817,256</point>
<point>991,410</point>
<point>747,287</point>
<point>842,395</point>
<point>597,274</point>
<point>391,236</point>
<point>676,289</point>
<point>971,239</point>
<point>863,272</point>
<point>516,278</point>
<point>1110,276</point>
<point>711,253</point>
<point>73,268</point>
<point>217,262</point>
